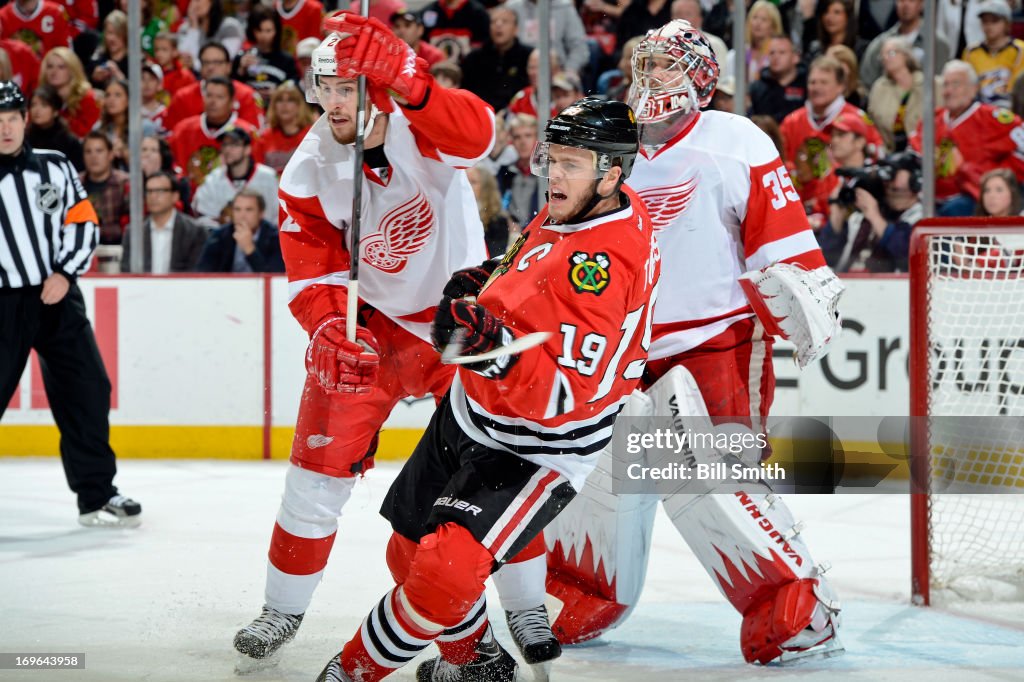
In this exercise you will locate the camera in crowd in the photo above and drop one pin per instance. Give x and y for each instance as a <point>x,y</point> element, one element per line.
<point>874,177</point>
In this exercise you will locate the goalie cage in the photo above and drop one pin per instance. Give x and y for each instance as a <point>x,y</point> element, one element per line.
<point>967,394</point>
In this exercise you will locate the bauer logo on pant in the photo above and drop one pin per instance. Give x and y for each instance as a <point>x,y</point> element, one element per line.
<point>48,198</point>
<point>589,273</point>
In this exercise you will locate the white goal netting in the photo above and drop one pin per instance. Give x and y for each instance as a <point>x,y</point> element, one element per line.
<point>975,408</point>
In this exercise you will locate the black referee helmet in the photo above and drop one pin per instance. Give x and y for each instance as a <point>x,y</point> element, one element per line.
<point>11,97</point>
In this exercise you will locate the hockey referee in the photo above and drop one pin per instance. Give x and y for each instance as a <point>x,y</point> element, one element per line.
<point>48,230</point>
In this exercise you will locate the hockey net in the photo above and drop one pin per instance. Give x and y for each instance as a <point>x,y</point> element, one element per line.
<point>967,392</point>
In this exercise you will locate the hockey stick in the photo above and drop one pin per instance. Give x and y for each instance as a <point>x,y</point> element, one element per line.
<point>452,354</point>
<point>352,314</point>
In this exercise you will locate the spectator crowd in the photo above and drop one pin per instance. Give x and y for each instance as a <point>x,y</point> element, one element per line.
<point>837,84</point>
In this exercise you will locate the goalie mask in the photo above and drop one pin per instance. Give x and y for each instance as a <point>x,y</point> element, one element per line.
<point>674,76</point>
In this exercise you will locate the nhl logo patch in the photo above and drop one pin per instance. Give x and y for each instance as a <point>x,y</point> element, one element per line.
<point>48,198</point>
<point>589,273</point>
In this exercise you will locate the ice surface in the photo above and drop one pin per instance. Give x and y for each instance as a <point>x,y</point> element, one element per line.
<point>164,601</point>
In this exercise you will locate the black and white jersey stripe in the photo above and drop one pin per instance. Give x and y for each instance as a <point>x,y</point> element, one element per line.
<point>35,243</point>
<point>524,437</point>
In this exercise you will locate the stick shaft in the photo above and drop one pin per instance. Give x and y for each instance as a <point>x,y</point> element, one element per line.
<point>357,201</point>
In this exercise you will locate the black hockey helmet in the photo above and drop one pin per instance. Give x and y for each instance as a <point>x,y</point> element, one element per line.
<point>606,127</point>
<point>11,97</point>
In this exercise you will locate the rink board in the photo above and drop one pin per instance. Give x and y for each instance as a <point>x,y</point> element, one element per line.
<point>212,367</point>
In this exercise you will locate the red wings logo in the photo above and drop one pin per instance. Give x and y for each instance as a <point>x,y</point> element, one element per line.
<point>404,231</point>
<point>665,204</point>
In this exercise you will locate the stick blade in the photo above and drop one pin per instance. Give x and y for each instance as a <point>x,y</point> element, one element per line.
<point>452,354</point>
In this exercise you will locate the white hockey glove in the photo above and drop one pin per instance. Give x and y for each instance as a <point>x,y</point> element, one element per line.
<point>797,304</point>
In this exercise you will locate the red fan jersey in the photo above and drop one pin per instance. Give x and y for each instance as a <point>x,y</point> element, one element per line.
<point>195,146</point>
<point>806,148</point>
<point>980,139</point>
<point>24,65</point>
<point>175,81</point>
<point>84,15</point>
<point>189,102</point>
<point>525,102</point>
<point>301,21</point>
<point>592,284</point>
<point>84,117</point>
<point>274,148</point>
<point>46,28</point>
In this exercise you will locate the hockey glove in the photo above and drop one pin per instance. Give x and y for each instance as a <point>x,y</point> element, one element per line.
<point>369,48</point>
<point>341,365</point>
<point>469,281</point>
<point>477,331</point>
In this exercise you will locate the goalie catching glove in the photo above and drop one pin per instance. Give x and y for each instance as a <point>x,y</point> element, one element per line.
<point>367,47</point>
<point>341,365</point>
<point>476,330</point>
<point>797,304</point>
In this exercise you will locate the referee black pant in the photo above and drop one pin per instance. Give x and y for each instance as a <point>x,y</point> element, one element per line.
<point>76,383</point>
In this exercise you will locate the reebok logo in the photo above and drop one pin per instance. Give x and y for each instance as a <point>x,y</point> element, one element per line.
<point>458,504</point>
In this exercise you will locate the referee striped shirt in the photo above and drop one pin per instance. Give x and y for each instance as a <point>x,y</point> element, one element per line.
<point>47,224</point>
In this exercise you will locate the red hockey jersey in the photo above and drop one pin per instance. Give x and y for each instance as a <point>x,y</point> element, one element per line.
<point>46,28</point>
<point>980,139</point>
<point>24,65</point>
<point>274,148</point>
<point>189,102</point>
<point>176,80</point>
<point>195,146</point>
<point>420,221</point>
<point>84,15</point>
<point>592,284</point>
<point>84,117</point>
<point>302,21</point>
<point>806,149</point>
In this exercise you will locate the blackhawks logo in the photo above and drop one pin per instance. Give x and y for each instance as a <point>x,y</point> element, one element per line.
<point>589,273</point>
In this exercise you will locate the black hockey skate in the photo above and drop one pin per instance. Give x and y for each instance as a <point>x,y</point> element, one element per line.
<point>118,512</point>
<point>259,640</point>
<point>493,664</point>
<point>532,633</point>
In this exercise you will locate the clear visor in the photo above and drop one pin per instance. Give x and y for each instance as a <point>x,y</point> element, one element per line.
<point>572,163</point>
<point>329,94</point>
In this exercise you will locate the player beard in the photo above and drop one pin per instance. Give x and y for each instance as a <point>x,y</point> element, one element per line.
<point>560,208</point>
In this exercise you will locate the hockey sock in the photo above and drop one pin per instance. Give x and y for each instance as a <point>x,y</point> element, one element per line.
<point>458,644</point>
<point>391,635</point>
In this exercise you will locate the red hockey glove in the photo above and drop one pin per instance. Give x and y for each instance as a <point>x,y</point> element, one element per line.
<point>469,281</point>
<point>482,332</point>
<point>339,364</point>
<point>368,47</point>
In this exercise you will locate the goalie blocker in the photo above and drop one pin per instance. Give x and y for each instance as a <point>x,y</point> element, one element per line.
<point>746,539</point>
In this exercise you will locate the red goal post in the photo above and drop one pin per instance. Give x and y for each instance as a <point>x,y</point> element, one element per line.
<point>966,378</point>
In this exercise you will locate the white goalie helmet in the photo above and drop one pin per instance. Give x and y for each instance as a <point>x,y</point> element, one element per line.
<point>674,75</point>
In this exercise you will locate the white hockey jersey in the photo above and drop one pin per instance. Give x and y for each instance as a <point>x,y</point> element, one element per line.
<point>722,203</point>
<point>419,216</point>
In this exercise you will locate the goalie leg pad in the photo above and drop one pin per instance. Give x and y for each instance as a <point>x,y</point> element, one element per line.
<point>751,547</point>
<point>794,620</point>
<point>598,547</point>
